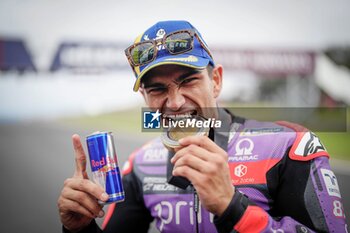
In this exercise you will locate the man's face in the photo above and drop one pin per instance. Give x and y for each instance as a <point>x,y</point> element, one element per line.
<point>178,90</point>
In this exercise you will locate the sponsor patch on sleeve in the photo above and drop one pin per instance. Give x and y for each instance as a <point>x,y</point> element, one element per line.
<point>331,182</point>
<point>307,146</point>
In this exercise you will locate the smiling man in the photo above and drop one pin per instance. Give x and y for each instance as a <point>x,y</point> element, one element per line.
<point>269,181</point>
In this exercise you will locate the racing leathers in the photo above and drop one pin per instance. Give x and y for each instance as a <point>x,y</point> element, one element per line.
<point>282,178</point>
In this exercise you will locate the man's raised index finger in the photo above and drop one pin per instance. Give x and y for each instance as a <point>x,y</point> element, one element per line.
<point>80,157</point>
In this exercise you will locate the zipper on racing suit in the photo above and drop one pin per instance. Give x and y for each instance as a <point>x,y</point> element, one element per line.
<point>196,207</point>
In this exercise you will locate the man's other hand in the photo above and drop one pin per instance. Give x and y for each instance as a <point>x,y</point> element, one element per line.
<point>78,202</point>
<point>204,163</point>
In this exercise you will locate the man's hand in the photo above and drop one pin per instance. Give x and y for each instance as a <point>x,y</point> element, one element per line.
<point>78,202</point>
<point>204,163</point>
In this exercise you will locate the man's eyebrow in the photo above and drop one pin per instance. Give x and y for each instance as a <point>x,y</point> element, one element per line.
<point>177,80</point>
<point>152,85</point>
<point>185,75</point>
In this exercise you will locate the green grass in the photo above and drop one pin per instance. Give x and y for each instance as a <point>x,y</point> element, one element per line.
<point>337,144</point>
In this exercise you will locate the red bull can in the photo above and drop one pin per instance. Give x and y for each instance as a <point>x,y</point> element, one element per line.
<point>104,165</point>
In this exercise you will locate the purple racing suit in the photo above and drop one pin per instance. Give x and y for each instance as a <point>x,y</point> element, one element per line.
<point>280,171</point>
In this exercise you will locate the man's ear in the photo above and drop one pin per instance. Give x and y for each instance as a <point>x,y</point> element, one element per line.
<point>143,93</point>
<point>217,80</point>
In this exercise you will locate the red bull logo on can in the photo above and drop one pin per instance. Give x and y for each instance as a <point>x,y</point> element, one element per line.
<point>104,165</point>
<point>101,165</point>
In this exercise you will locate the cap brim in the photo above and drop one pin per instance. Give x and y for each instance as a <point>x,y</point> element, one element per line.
<point>182,60</point>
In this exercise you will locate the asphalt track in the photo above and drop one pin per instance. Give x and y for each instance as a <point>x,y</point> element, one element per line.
<point>37,157</point>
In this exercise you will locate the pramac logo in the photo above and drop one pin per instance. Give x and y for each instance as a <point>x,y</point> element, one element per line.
<point>244,151</point>
<point>246,148</point>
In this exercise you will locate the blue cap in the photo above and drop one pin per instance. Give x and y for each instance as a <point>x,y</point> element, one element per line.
<point>198,57</point>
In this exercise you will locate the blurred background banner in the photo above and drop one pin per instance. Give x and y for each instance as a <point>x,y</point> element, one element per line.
<point>268,62</point>
<point>89,57</point>
<point>63,71</point>
<point>14,56</point>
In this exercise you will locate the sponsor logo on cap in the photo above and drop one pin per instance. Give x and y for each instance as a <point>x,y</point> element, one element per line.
<point>184,59</point>
<point>160,34</point>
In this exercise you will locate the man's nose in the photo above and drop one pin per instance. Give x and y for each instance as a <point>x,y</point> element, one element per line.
<point>175,100</point>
